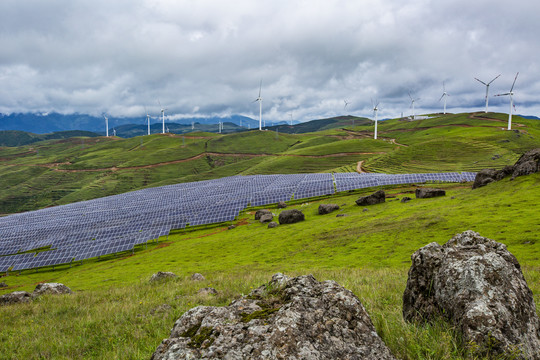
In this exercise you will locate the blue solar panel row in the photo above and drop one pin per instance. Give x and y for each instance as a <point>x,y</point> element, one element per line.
<point>117,223</point>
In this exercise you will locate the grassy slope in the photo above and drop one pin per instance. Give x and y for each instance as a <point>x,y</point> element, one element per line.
<point>110,316</point>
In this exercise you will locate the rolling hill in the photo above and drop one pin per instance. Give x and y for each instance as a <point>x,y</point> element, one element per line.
<point>61,171</point>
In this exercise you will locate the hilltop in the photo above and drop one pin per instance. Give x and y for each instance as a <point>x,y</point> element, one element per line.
<point>56,172</point>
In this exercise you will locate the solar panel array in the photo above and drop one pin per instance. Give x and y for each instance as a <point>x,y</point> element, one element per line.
<point>118,223</point>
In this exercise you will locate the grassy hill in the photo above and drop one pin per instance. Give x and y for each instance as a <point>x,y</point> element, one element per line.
<point>116,313</point>
<point>57,172</point>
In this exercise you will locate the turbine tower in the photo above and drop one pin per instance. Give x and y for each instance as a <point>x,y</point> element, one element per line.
<point>106,125</point>
<point>290,114</point>
<point>259,99</point>
<point>444,95</point>
<point>487,88</point>
<point>511,94</point>
<point>375,110</point>
<point>162,117</point>
<point>412,104</point>
<point>147,119</point>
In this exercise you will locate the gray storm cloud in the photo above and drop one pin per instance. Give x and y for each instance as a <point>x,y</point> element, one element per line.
<point>203,58</point>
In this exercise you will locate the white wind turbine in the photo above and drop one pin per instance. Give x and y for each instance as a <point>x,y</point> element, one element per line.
<point>444,95</point>
<point>106,125</point>
<point>147,119</point>
<point>162,117</point>
<point>290,114</point>
<point>346,103</point>
<point>412,104</point>
<point>259,99</point>
<point>511,94</point>
<point>487,88</point>
<point>375,110</point>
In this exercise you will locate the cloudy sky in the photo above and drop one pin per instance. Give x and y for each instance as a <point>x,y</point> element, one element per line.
<point>207,57</point>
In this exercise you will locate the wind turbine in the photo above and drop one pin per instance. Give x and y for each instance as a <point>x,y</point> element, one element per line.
<point>290,114</point>
<point>106,125</point>
<point>147,120</point>
<point>412,104</point>
<point>487,88</point>
<point>346,103</point>
<point>162,117</point>
<point>375,110</point>
<point>511,94</point>
<point>259,99</point>
<point>444,95</point>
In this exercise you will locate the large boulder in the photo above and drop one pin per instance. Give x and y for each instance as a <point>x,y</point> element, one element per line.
<point>291,216</point>
<point>15,297</point>
<point>424,193</point>
<point>162,275</point>
<point>327,208</point>
<point>476,284</point>
<point>376,198</point>
<point>51,289</point>
<point>298,318</point>
<point>528,163</point>
<point>486,176</point>
<point>261,212</point>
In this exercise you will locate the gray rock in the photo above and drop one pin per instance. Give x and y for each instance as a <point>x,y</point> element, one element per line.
<point>3,285</point>
<point>291,216</point>
<point>365,210</point>
<point>424,193</point>
<point>298,318</point>
<point>272,224</point>
<point>341,215</point>
<point>16,297</point>
<point>487,176</point>
<point>162,275</point>
<point>477,285</point>
<point>406,199</point>
<point>51,289</point>
<point>266,218</point>
<point>261,212</point>
<point>327,208</point>
<point>161,309</point>
<point>376,198</point>
<point>281,205</point>
<point>197,277</point>
<point>207,291</point>
<point>231,227</point>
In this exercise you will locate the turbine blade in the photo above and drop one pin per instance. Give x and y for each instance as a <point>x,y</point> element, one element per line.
<point>410,95</point>
<point>505,94</point>
<point>480,81</point>
<point>514,83</point>
<point>441,97</point>
<point>260,88</point>
<point>496,77</point>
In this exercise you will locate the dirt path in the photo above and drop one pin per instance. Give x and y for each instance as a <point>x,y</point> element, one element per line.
<point>55,166</point>
<point>359,167</point>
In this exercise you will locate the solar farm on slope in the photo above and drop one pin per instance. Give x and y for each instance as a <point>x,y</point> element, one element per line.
<point>114,224</point>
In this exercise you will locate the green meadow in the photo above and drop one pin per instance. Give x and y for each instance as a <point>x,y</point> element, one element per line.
<point>116,313</point>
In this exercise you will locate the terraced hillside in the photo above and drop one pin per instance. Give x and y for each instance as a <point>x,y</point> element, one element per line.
<point>62,171</point>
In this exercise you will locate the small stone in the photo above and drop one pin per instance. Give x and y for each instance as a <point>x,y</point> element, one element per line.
<point>16,297</point>
<point>424,193</point>
<point>341,215</point>
<point>207,291</point>
<point>272,224</point>
<point>162,275</point>
<point>406,199</point>
<point>327,208</point>
<point>197,277</point>
<point>266,218</point>
<point>281,205</point>
<point>261,212</point>
<point>51,289</point>
<point>291,216</point>
<point>376,198</point>
<point>3,285</point>
<point>231,227</point>
<point>365,210</point>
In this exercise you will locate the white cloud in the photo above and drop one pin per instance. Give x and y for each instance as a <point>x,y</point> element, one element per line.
<point>209,56</point>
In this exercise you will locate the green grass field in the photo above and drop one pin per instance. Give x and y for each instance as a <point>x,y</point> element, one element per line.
<point>112,313</point>
<point>115,312</point>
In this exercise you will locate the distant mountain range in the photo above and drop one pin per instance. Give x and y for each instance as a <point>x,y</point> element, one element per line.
<point>52,122</point>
